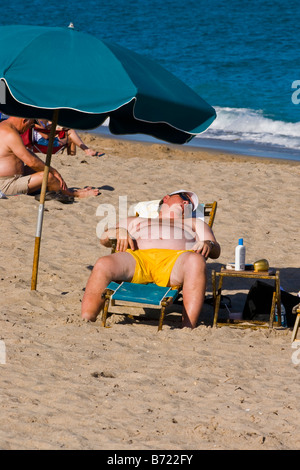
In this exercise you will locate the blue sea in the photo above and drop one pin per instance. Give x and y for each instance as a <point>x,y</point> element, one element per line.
<point>241,57</point>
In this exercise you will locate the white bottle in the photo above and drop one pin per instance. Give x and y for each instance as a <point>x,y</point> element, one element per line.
<point>283,316</point>
<point>240,256</point>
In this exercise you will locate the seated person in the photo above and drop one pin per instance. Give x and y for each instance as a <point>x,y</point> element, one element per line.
<point>64,137</point>
<point>21,171</point>
<point>170,250</point>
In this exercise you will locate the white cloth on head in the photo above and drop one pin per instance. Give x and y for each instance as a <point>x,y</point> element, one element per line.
<point>149,210</point>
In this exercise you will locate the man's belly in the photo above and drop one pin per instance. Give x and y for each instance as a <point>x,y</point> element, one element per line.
<point>166,237</point>
<point>11,167</point>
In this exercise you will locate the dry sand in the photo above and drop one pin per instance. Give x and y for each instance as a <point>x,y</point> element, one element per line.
<point>67,384</point>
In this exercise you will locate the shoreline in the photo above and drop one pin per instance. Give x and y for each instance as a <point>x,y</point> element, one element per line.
<point>213,145</point>
<point>186,151</point>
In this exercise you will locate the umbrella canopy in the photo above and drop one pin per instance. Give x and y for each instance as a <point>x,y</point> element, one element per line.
<point>76,80</point>
<point>88,80</point>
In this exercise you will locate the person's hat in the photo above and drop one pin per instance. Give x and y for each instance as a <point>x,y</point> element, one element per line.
<point>193,196</point>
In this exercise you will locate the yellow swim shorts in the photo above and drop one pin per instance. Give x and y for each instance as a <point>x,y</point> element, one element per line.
<point>154,265</point>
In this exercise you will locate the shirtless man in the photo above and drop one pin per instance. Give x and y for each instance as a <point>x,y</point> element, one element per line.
<point>15,177</point>
<point>170,250</point>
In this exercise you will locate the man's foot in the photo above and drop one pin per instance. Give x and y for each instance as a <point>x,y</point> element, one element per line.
<point>85,192</point>
<point>94,153</point>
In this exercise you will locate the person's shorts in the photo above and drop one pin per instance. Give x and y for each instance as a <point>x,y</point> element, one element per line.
<point>17,184</point>
<point>154,265</point>
<point>42,141</point>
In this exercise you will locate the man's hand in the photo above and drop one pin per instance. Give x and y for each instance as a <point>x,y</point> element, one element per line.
<point>58,176</point>
<point>124,240</point>
<point>203,247</point>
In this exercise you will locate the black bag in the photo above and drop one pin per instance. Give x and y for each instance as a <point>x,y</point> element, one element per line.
<point>259,301</point>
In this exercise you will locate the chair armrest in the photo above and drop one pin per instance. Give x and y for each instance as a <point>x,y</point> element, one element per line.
<point>113,242</point>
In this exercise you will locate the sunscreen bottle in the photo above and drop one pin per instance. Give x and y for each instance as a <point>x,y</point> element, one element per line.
<point>240,255</point>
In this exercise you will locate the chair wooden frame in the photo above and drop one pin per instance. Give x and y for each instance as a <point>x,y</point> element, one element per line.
<point>210,210</point>
<point>168,297</point>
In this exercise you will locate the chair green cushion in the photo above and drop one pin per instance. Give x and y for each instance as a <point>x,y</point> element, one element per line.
<point>141,293</point>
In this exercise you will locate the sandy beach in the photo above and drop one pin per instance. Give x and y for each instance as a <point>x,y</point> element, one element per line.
<point>67,384</point>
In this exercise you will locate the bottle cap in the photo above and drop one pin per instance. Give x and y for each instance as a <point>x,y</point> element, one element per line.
<point>241,241</point>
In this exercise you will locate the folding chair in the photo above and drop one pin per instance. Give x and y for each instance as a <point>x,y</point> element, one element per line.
<point>148,294</point>
<point>30,142</point>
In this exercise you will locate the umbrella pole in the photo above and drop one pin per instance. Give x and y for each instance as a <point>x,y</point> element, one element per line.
<point>37,244</point>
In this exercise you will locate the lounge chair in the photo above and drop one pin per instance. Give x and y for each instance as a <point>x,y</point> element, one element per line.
<point>149,294</point>
<point>143,294</point>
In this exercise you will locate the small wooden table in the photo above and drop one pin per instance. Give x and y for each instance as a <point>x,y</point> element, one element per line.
<point>276,300</point>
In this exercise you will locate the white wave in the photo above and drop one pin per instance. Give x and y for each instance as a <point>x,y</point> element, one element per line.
<point>247,125</point>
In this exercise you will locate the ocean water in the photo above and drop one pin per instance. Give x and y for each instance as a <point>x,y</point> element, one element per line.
<point>242,57</point>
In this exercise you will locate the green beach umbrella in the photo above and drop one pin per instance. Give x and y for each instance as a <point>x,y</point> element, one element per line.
<point>77,80</point>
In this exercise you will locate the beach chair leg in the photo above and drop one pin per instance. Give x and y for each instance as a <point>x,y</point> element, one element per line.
<point>107,296</point>
<point>164,303</point>
<point>296,327</point>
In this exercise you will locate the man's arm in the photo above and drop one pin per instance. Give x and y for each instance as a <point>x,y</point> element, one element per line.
<point>17,147</point>
<point>121,234</point>
<point>206,243</point>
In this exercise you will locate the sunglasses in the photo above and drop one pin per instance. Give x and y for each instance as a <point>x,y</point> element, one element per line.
<point>185,197</point>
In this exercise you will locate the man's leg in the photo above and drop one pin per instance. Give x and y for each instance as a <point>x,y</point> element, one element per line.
<point>116,267</point>
<point>36,180</point>
<point>74,139</point>
<point>190,271</point>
